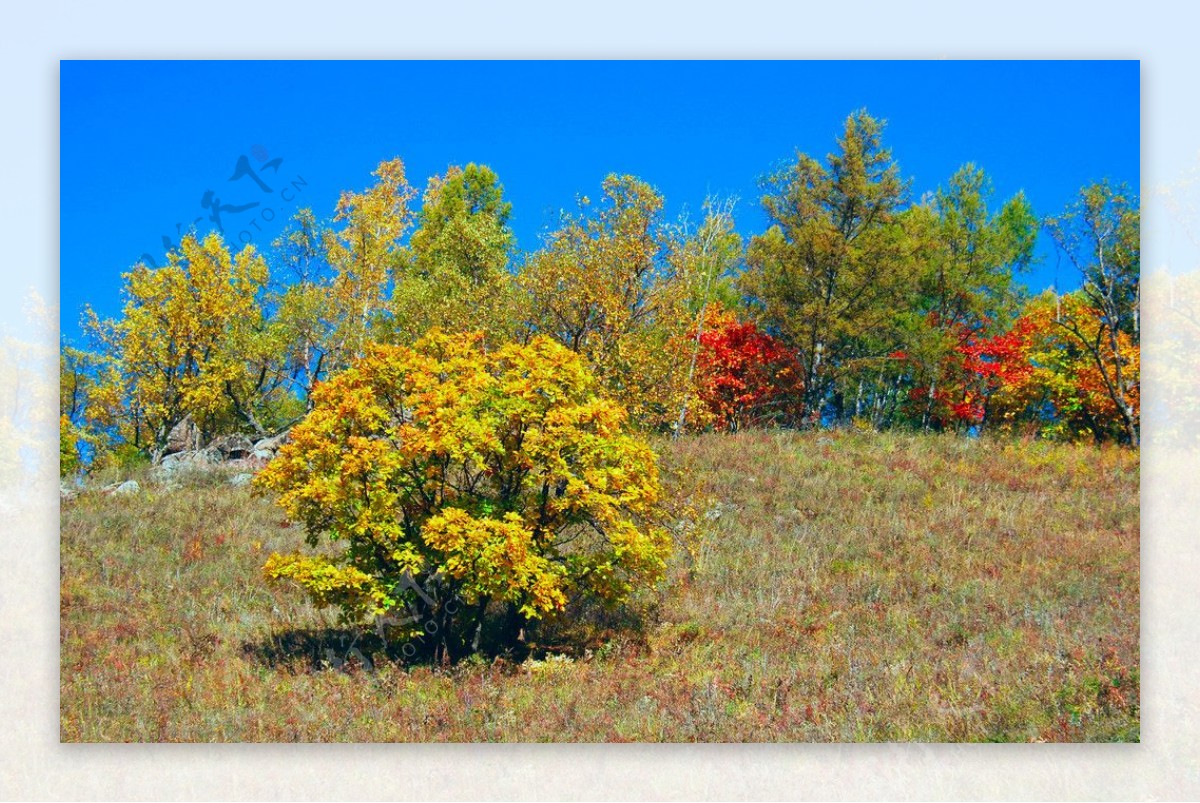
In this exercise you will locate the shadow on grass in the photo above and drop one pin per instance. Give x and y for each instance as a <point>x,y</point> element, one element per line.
<point>583,626</point>
<point>314,650</point>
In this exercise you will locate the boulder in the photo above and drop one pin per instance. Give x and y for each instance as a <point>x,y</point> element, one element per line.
<point>235,452</point>
<point>192,458</point>
<point>269,446</point>
<point>183,437</point>
<point>127,487</point>
<point>240,480</point>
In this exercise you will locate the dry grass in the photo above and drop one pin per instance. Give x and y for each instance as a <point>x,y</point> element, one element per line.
<point>848,587</point>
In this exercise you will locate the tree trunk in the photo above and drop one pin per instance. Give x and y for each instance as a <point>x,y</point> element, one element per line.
<point>928,416</point>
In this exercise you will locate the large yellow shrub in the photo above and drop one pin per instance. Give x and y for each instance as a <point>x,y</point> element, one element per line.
<point>454,478</point>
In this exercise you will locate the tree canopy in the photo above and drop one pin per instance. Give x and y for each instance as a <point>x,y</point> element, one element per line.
<point>856,303</point>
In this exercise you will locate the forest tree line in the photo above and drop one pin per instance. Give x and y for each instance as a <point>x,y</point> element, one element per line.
<point>858,305</point>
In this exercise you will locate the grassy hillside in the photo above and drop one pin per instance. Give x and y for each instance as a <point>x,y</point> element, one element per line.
<point>846,587</point>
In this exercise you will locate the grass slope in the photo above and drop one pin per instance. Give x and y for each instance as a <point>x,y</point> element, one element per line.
<point>848,587</point>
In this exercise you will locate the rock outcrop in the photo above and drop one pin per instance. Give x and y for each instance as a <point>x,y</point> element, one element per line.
<point>233,451</point>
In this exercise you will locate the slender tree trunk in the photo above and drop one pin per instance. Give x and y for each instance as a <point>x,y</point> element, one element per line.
<point>928,416</point>
<point>691,371</point>
<point>1120,396</point>
<point>813,392</point>
<point>477,626</point>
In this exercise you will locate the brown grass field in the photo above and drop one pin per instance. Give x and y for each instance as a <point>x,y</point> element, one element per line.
<point>846,587</point>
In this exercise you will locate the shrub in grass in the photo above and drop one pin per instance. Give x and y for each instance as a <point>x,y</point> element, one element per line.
<point>451,478</point>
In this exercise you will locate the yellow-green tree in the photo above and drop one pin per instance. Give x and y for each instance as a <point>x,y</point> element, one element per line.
<point>457,276</point>
<point>830,272</point>
<point>704,260</point>
<point>455,477</point>
<point>332,300</point>
<point>303,314</point>
<point>365,248</point>
<point>76,379</point>
<point>605,287</point>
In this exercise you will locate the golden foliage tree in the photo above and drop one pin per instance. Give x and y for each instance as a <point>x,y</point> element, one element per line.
<point>605,287</point>
<point>455,477</point>
<point>187,344</point>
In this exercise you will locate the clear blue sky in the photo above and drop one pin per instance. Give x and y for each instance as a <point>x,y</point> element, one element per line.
<point>144,142</point>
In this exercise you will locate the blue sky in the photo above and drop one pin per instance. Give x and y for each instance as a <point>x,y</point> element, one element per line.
<point>143,143</point>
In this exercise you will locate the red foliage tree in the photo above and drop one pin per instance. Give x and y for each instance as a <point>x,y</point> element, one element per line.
<point>745,376</point>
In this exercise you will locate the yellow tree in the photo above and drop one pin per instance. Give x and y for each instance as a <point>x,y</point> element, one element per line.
<point>335,276</point>
<point>452,477</point>
<point>184,345</point>
<point>364,252</point>
<point>605,287</point>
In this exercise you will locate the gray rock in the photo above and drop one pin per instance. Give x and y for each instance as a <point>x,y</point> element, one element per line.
<point>170,462</point>
<point>272,444</point>
<point>210,455</point>
<point>127,487</point>
<point>240,480</point>
<point>194,458</point>
<point>262,454</point>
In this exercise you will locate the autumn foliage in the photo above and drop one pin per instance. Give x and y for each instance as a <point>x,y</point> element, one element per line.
<point>190,342</point>
<point>467,420</point>
<point>454,481</point>
<point>1047,374</point>
<point>605,288</point>
<point>969,373</point>
<point>1063,380</point>
<point>856,305</point>
<point>745,377</point>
